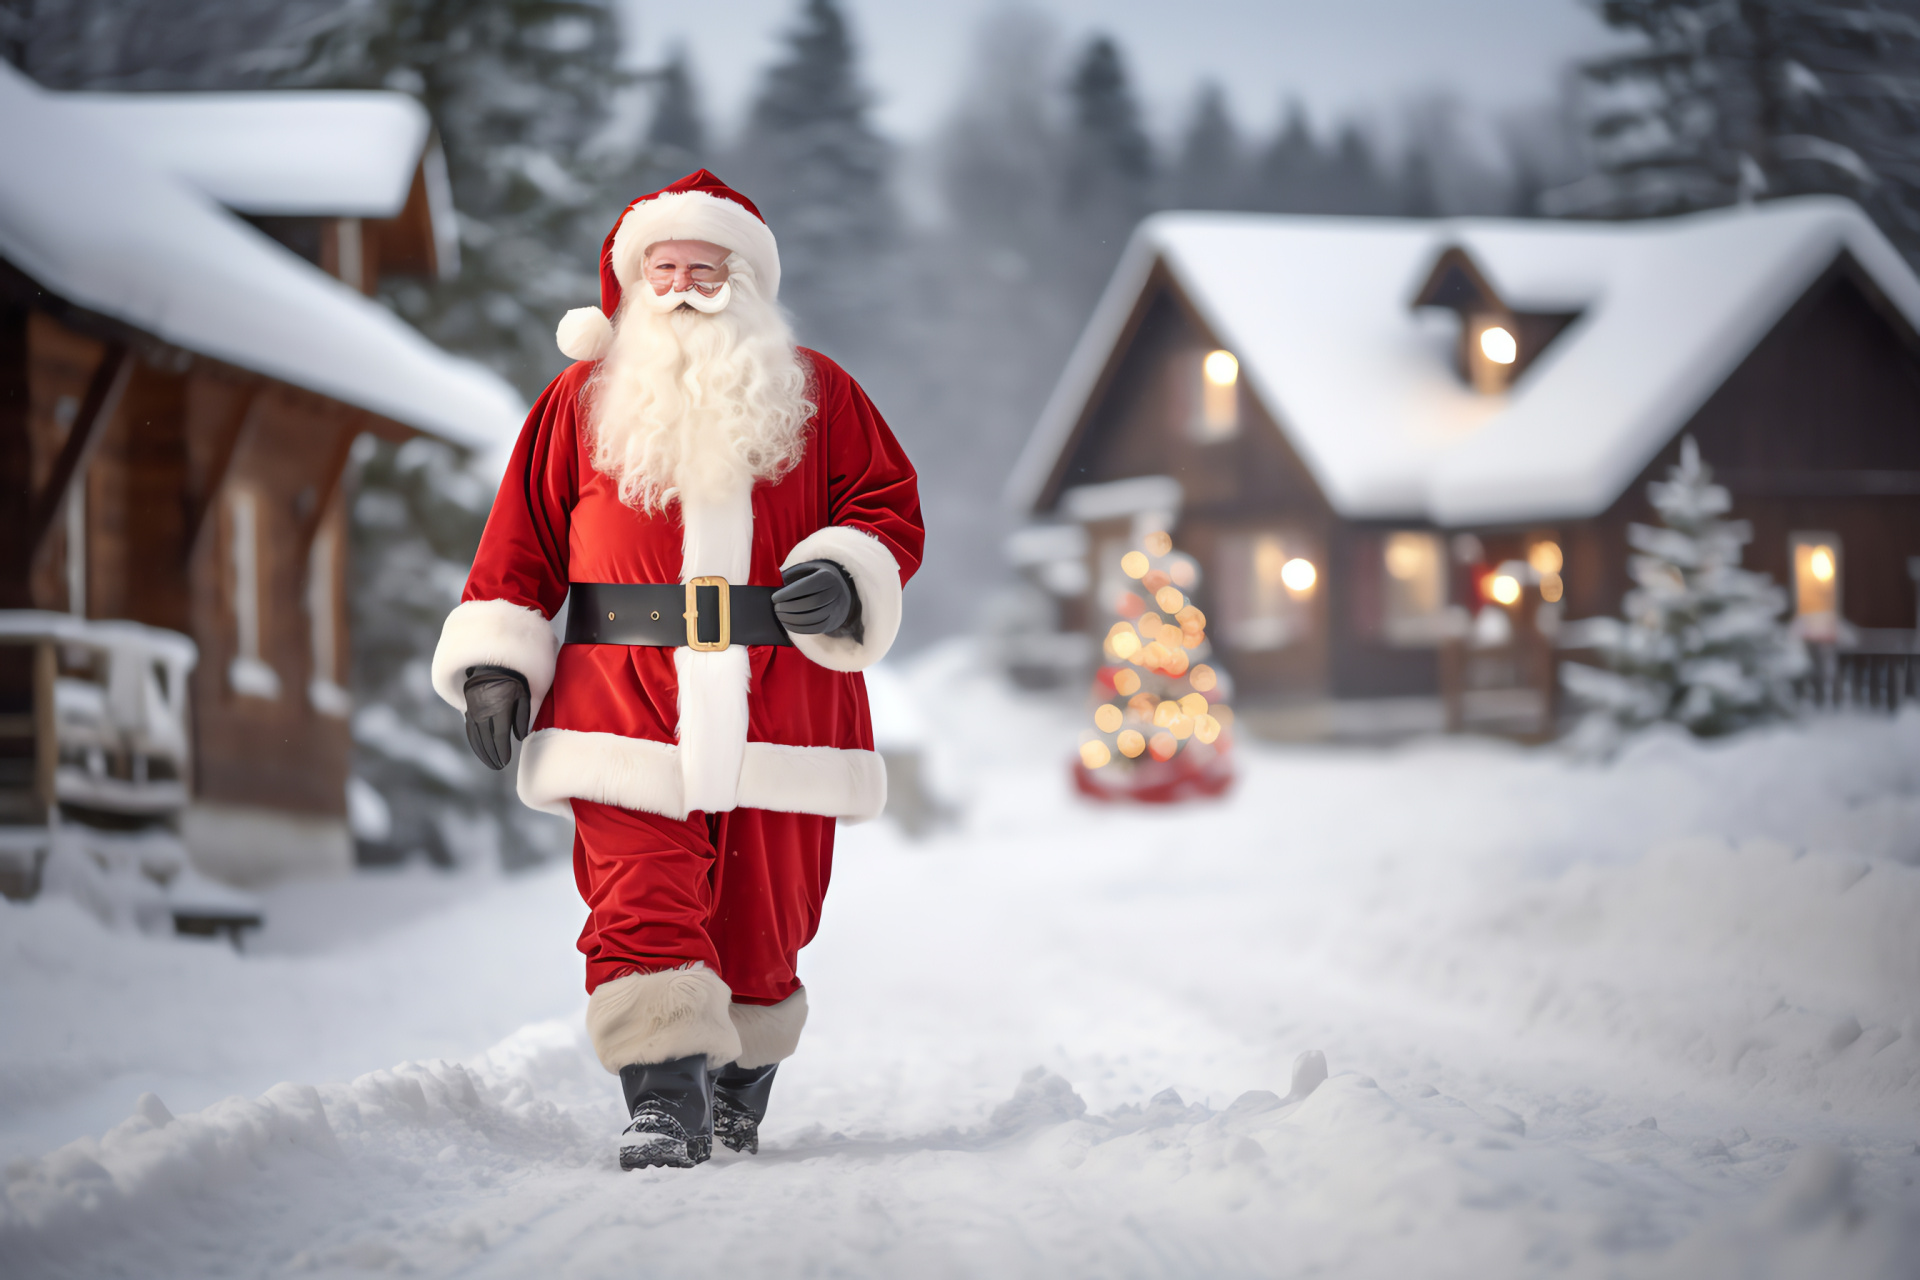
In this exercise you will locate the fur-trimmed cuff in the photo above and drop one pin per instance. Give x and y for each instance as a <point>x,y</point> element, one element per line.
<point>494,633</point>
<point>657,1017</point>
<point>876,576</point>
<point>769,1033</point>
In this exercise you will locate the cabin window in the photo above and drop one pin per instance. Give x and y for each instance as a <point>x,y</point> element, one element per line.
<point>1816,584</point>
<point>324,690</point>
<point>1266,584</point>
<point>248,674</point>
<point>1414,604</point>
<point>1215,413</point>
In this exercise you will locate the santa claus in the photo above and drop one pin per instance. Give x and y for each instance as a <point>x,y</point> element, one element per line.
<point>729,523</point>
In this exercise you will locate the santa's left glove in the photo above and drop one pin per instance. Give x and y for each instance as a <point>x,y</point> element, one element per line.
<point>818,597</point>
<point>498,705</point>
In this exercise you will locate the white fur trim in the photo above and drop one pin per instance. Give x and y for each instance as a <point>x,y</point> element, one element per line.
<point>559,765</point>
<point>657,1017</point>
<point>494,633</point>
<point>713,725</point>
<point>769,1033</point>
<point>716,539</point>
<point>695,215</point>
<point>584,334</point>
<point>840,783</point>
<point>876,576</point>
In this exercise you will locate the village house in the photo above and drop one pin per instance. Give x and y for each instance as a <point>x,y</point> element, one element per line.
<point>1404,453</point>
<point>179,393</point>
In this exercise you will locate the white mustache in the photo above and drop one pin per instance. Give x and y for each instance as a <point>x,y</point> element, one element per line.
<point>699,301</point>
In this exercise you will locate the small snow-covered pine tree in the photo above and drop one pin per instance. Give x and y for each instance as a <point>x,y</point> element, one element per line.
<point>1703,644</point>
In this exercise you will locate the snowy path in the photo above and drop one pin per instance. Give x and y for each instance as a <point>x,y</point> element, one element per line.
<point>1657,1019</point>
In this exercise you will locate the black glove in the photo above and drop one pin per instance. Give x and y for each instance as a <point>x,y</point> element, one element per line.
<point>498,704</point>
<point>818,597</point>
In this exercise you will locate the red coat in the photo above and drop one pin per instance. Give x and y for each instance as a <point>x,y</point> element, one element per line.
<point>672,731</point>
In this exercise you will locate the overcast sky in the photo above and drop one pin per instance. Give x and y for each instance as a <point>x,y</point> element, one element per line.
<point>1340,57</point>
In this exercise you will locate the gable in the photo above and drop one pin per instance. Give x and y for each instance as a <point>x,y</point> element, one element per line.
<point>1139,422</point>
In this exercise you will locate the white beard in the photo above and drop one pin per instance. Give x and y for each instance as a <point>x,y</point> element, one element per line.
<point>698,404</point>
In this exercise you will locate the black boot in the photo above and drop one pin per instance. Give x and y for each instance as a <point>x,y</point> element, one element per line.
<point>671,1104</point>
<point>740,1104</point>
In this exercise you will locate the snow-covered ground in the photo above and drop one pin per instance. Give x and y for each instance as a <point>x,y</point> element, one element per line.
<point>1661,1017</point>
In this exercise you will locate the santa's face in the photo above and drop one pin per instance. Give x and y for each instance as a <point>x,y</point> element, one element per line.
<point>687,273</point>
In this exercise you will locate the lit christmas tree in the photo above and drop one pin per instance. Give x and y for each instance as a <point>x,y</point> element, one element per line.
<point>1703,644</point>
<point>1160,725</point>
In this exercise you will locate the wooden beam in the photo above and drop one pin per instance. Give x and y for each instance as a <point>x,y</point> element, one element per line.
<point>202,506</point>
<point>104,392</point>
<point>350,427</point>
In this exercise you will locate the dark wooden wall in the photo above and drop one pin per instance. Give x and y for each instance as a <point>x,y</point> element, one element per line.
<point>1818,429</point>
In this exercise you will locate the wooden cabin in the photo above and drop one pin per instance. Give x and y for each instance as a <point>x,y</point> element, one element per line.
<point>179,393</point>
<point>1405,453</point>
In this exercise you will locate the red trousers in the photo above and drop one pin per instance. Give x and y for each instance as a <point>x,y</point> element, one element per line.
<point>740,891</point>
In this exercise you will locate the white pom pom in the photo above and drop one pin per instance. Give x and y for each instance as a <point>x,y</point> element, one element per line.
<point>584,334</point>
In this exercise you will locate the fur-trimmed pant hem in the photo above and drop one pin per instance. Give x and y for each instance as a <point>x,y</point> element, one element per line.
<point>657,1017</point>
<point>769,1032</point>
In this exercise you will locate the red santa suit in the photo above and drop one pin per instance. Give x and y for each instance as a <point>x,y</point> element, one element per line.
<point>704,785</point>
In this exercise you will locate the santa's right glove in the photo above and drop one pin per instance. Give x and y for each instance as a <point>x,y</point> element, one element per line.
<point>498,704</point>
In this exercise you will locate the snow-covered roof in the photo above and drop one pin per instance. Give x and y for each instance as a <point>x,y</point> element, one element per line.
<point>1365,387</point>
<point>341,153</point>
<point>85,216</point>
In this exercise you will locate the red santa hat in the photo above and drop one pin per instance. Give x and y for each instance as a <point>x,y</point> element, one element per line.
<point>697,207</point>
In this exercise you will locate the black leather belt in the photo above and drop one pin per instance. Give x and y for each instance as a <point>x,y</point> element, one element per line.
<point>705,614</point>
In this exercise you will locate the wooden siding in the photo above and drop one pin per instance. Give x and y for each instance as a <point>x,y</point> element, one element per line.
<point>185,433</point>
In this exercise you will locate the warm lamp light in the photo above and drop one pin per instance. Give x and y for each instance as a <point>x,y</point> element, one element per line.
<point>1505,588</point>
<point>1299,574</point>
<point>1545,557</point>
<point>1498,345</point>
<point>1820,564</point>
<point>1220,367</point>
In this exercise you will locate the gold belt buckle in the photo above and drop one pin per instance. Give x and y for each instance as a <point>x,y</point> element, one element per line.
<point>692,615</point>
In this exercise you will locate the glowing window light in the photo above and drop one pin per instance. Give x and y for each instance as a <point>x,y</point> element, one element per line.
<point>1221,368</point>
<point>1498,345</point>
<point>1545,557</point>
<point>1505,588</point>
<point>1299,574</point>
<point>1820,564</point>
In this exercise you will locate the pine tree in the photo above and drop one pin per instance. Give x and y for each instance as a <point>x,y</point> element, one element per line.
<point>813,163</point>
<point>417,516</point>
<point>1108,166</point>
<point>1208,173</point>
<point>677,134</point>
<point>1733,100</point>
<point>517,90</point>
<point>1703,644</point>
